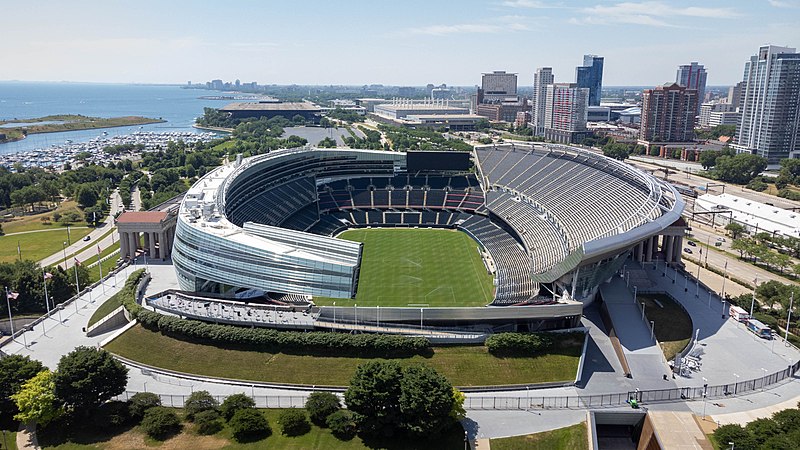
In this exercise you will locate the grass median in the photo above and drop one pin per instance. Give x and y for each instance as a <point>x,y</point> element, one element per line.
<point>569,438</point>
<point>462,365</point>
<point>673,327</point>
<point>38,245</point>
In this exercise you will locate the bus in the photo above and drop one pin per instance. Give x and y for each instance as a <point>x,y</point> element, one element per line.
<point>738,314</point>
<point>759,329</point>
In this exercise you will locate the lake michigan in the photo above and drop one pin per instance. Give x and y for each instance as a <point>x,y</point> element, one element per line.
<point>26,100</point>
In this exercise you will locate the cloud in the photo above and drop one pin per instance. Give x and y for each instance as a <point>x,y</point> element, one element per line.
<point>782,4</point>
<point>650,13</point>
<point>533,4</point>
<point>498,25</point>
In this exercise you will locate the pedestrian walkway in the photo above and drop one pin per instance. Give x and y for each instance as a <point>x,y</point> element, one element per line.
<point>26,438</point>
<point>645,358</point>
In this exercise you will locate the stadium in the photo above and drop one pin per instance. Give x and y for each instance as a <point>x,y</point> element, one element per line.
<point>505,237</point>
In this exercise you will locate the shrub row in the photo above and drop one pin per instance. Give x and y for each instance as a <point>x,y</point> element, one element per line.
<point>287,341</point>
<point>523,344</point>
<point>272,340</point>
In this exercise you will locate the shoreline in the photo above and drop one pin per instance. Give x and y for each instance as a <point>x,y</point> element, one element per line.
<point>218,129</point>
<point>147,121</point>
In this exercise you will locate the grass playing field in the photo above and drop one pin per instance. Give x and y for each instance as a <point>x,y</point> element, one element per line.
<point>418,267</point>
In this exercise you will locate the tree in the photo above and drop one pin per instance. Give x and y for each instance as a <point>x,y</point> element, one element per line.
<point>374,397</point>
<point>735,229</point>
<point>234,403</point>
<point>458,412</point>
<point>140,402</point>
<point>327,143</point>
<point>425,402</point>
<point>14,371</point>
<point>36,400</point>
<point>87,377</point>
<point>739,169</point>
<point>197,402</point>
<point>293,422</point>
<point>320,405</point>
<point>160,422</point>
<point>708,159</point>
<point>86,196</point>
<point>249,425</point>
<point>208,422</point>
<point>617,151</point>
<point>341,424</point>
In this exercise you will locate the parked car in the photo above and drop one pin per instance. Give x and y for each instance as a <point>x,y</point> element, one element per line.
<point>691,244</point>
<point>687,250</point>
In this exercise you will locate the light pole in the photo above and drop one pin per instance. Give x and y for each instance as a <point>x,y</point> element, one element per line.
<point>753,298</point>
<point>724,277</point>
<point>64,249</point>
<point>643,310</point>
<point>705,392</point>
<point>652,329</point>
<point>420,318</point>
<point>789,317</point>
<point>724,302</point>
<point>635,292</point>
<point>733,446</point>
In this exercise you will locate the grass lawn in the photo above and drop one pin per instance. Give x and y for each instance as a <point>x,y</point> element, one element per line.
<point>34,221</point>
<point>463,365</point>
<point>673,327</point>
<point>316,439</point>
<point>8,439</point>
<point>569,438</point>
<point>39,245</point>
<point>94,272</point>
<point>114,302</point>
<point>413,267</point>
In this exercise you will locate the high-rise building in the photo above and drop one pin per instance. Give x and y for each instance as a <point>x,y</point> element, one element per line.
<point>499,86</point>
<point>590,76</point>
<point>542,78</point>
<point>668,114</point>
<point>770,105</point>
<point>566,107</point>
<point>708,108</point>
<point>693,76</point>
<point>735,95</point>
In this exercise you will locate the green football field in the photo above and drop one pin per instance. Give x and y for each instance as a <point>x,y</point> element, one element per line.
<point>418,267</point>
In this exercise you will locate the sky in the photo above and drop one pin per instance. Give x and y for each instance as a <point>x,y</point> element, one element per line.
<point>407,42</point>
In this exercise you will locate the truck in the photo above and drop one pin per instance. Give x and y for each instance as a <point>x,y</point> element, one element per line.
<point>738,314</point>
<point>759,329</point>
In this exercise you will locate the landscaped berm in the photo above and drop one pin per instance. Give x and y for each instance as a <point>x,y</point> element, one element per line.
<point>418,267</point>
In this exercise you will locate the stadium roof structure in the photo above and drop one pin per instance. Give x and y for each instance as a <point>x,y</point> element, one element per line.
<point>270,106</point>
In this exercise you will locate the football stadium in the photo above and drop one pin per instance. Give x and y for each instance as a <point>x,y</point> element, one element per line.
<point>506,237</point>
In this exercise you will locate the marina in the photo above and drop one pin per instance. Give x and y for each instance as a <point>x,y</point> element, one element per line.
<point>59,154</point>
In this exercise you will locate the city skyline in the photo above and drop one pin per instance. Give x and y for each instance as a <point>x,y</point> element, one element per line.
<point>410,43</point>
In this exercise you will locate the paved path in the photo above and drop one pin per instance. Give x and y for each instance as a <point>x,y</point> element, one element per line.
<point>645,358</point>
<point>83,250</point>
<point>42,231</point>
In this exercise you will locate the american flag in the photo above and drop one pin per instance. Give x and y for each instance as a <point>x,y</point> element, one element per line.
<point>77,262</point>
<point>12,295</point>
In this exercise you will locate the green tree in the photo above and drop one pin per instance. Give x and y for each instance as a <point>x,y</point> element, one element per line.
<point>234,403</point>
<point>36,400</point>
<point>739,169</point>
<point>374,397</point>
<point>87,377</point>
<point>293,422</point>
<point>140,402</point>
<point>86,196</point>
<point>426,401</point>
<point>248,425</point>
<point>735,229</point>
<point>160,422</point>
<point>197,402</point>
<point>14,371</point>
<point>320,405</point>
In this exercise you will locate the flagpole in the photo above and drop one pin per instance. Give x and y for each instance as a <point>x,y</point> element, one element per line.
<point>46,300</point>
<point>77,283</point>
<point>10,319</point>
<point>100,263</point>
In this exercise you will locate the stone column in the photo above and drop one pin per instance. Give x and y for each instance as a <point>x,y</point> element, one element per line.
<point>640,251</point>
<point>147,244</point>
<point>123,245</point>
<point>133,243</point>
<point>162,245</point>
<point>678,249</point>
<point>649,252</point>
<point>670,244</point>
<point>152,245</point>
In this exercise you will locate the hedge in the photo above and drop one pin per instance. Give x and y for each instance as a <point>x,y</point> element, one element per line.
<point>525,344</point>
<point>274,341</point>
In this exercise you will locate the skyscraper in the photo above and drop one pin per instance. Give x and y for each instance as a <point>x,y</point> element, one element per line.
<point>668,114</point>
<point>693,76</point>
<point>735,94</point>
<point>542,78</point>
<point>498,86</point>
<point>770,105</point>
<point>566,105</point>
<point>590,75</point>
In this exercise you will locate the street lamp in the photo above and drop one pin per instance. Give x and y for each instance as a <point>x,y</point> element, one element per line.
<point>652,329</point>
<point>64,249</point>
<point>643,305</point>
<point>733,446</point>
<point>705,392</point>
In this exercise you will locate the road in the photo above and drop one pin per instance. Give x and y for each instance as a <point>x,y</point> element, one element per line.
<point>83,250</point>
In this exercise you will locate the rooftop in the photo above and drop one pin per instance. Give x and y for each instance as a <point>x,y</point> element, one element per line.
<point>142,217</point>
<point>270,106</point>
